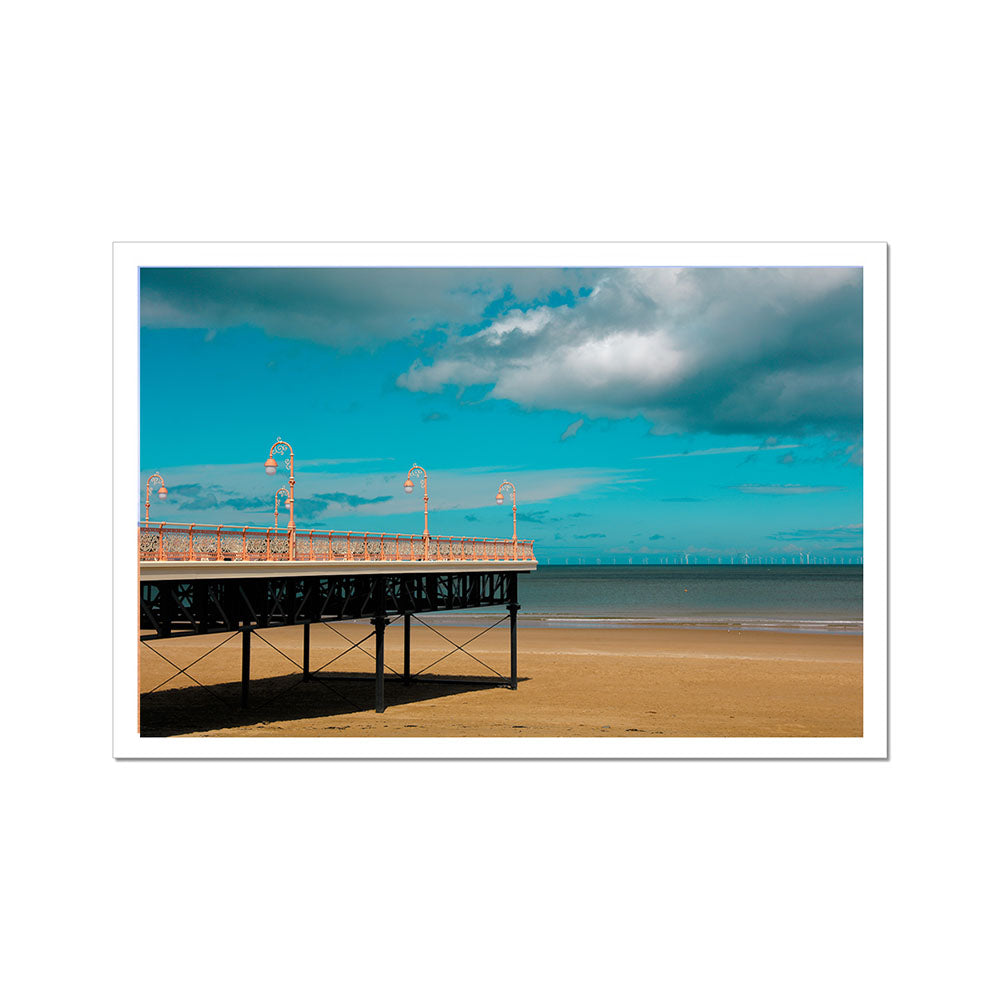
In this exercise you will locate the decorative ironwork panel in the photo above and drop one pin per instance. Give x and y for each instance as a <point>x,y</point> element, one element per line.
<point>256,547</point>
<point>175,543</point>
<point>149,543</point>
<point>204,544</point>
<point>210,542</point>
<point>231,544</point>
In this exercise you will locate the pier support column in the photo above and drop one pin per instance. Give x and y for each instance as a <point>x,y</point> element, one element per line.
<point>406,648</point>
<point>245,676</point>
<point>512,608</point>
<point>305,651</point>
<point>380,623</point>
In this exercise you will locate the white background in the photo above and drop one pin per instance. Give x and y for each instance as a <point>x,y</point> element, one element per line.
<point>520,122</point>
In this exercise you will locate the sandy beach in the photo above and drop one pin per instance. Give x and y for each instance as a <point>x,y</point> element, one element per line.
<point>650,681</point>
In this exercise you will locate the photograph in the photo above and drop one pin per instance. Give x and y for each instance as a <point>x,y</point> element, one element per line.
<point>539,504</point>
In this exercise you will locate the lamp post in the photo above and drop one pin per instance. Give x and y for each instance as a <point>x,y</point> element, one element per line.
<point>408,487</point>
<point>161,492</point>
<point>277,493</point>
<point>513,494</point>
<point>271,467</point>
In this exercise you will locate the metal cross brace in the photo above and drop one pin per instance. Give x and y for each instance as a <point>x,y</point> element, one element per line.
<point>300,680</point>
<point>184,670</point>
<point>459,646</point>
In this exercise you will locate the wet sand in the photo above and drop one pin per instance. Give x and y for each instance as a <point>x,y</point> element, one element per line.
<point>572,682</point>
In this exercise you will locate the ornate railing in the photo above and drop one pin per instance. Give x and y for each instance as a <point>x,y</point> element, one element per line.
<point>206,543</point>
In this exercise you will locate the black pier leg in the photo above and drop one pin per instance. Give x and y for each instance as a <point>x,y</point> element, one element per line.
<point>513,608</point>
<point>406,648</point>
<point>245,679</point>
<point>380,623</point>
<point>305,652</point>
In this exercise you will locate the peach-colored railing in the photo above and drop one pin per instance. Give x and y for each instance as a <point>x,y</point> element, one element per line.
<point>205,543</point>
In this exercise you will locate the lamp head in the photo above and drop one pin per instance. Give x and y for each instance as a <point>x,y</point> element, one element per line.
<point>270,466</point>
<point>499,498</point>
<point>161,492</point>
<point>408,485</point>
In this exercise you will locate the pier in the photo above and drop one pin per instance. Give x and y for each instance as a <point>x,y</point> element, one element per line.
<point>210,579</point>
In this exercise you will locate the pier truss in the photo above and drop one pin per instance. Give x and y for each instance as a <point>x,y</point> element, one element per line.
<point>202,600</point>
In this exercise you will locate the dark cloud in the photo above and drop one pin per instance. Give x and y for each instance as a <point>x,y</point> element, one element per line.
<point>571,431</point>
<point>190,490</point>
<point>471,517</point>
<point>348,499</point>
<point>307,508</point>
<point>720,350</point>
<point>841,533</point>
<point>345,306</point>
<point>197,497</point>
<point>253,503</point>
<point>655,538</point>
<point>593,534</point>
<point>536,517</point>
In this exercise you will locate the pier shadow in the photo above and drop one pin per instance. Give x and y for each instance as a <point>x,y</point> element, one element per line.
<point>289,697</point>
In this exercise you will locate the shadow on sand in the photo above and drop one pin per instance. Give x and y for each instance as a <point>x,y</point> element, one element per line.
<point>287,697</point>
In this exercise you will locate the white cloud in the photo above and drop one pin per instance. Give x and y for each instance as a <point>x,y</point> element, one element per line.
<point>787,489</point>
<point>727,350</point>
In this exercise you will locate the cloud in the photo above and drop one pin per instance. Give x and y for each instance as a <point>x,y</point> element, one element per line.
<point>346,306</point>
<point>188,490</point>
<point>682,499</point>
<point>720,350</point>
<point>841,533</point>
<point>571,430</point>
<point>786,490</point>
<point>655,538</point>
<point>593,534</point>
<point>433,417</point>
<point>534,517</point>
<point>851,454</point>
<point>771,445</point>
<point>332,494</point>
<point>787,459</point>
<point>349,499</point>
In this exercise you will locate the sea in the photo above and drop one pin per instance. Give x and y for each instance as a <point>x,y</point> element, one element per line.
<point>765,597</point>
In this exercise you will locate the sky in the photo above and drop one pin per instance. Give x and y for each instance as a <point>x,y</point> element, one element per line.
<point>654,414</point>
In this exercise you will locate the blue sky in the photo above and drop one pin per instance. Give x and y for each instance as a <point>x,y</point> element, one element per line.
<point>655,413</point>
